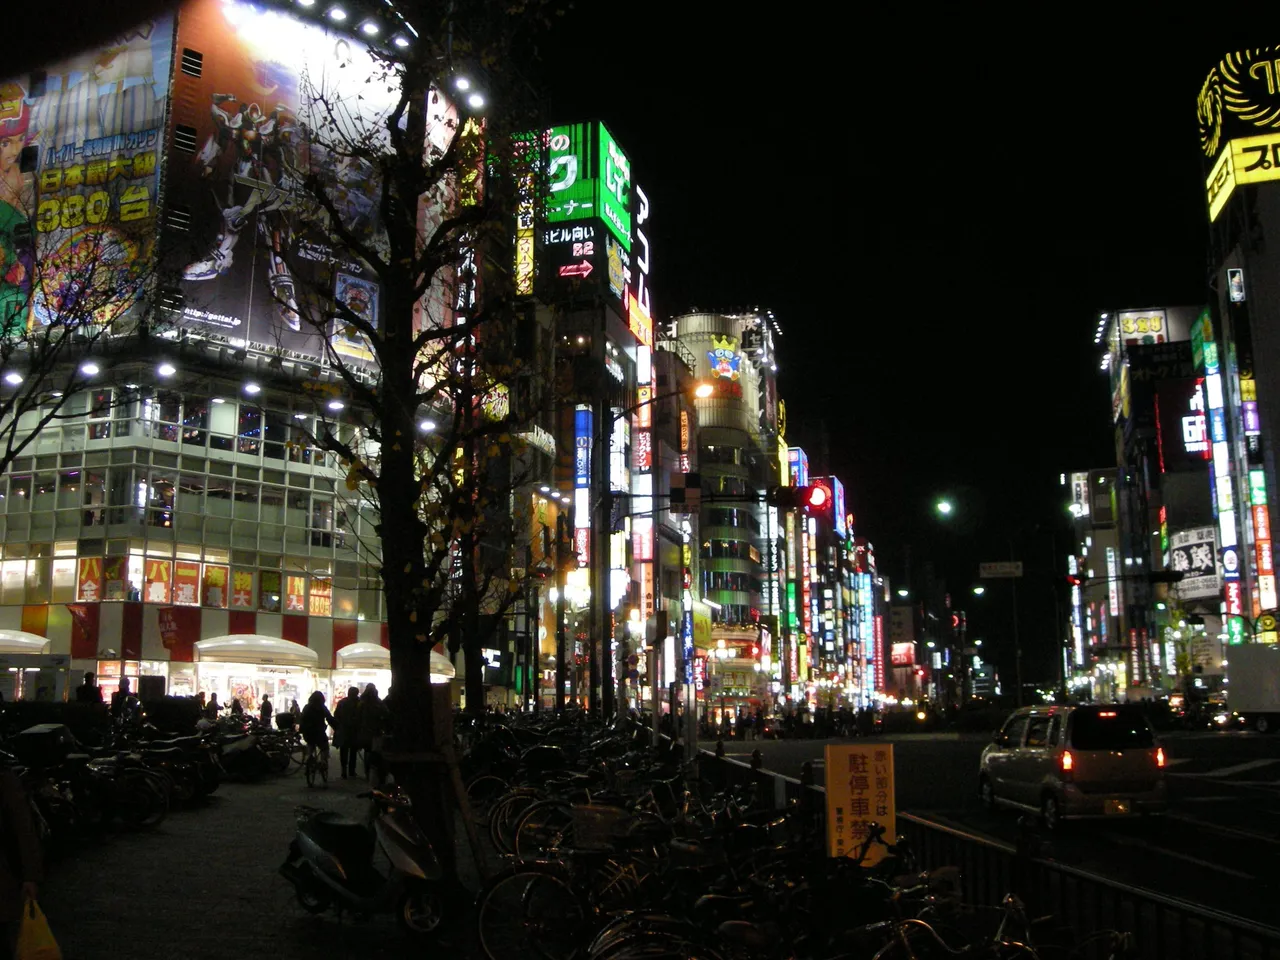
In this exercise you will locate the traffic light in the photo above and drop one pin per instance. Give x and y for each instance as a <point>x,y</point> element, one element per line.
<point>815,499</point>
<point>1073,580</point>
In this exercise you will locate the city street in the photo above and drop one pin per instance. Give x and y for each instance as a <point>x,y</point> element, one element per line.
<point>1215,847</point>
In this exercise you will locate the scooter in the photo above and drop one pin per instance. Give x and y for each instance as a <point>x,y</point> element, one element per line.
<point>331,865</point>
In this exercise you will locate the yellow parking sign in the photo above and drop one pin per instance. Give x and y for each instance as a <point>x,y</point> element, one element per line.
<point>859,791</point>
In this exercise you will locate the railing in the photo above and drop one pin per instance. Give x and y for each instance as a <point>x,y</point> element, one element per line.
<point>1163,927</point>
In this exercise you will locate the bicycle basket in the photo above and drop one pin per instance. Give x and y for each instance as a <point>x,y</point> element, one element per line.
<point>598,824</point>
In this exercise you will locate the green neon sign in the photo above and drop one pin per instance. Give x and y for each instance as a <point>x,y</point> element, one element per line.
<point>1257,487</point>
<point>571,180</point>
<point>615,188</point>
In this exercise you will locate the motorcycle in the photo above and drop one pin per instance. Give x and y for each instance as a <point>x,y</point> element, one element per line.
<point>331,865</point>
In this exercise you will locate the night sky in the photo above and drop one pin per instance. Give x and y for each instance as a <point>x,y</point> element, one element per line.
<point>936,209</point>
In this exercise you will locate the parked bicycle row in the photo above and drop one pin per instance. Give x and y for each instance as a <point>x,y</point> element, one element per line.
<point>615,850</point>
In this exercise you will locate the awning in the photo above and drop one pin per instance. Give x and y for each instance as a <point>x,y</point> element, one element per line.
<point>19,641</point>
<point>255,648</point>
<point>364,656</point>
<point>373,656</point>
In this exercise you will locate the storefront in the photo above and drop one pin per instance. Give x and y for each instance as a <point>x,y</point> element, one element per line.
<point>247,667</point>
<point>360,664</point>
<point>27,669</point>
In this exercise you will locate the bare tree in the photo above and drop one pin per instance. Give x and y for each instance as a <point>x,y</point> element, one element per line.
<point>400,215</point>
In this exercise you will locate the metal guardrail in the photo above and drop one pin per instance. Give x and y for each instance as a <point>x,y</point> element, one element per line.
<point>1163,927</point>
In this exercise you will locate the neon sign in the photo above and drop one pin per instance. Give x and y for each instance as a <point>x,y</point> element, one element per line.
<point>724,358</point>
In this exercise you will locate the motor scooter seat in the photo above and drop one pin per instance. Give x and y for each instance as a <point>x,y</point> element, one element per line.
<point>179,743</point>
<point>350,841</point>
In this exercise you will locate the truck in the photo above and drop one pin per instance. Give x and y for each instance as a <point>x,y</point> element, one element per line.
<point>1253,684</point>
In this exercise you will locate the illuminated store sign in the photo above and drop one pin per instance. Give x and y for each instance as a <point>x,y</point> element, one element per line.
<point>724,358</point>
<point>639,303</point>
<point>1244,161</point>
<point>615,197</point>
<point>570,179</point>
<point>799,463</point>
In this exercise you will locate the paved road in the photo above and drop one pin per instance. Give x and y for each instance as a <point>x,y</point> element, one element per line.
<point>203,886</point>
<point>1216,847</point>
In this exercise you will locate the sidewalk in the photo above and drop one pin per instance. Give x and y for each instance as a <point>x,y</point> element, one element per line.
<point>203,886</point>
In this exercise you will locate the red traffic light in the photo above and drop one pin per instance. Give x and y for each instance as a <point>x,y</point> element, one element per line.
<point>1073,580</point>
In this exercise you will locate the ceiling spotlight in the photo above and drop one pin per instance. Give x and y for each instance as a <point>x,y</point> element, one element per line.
<point>401,42</point>
<point>544,488</point>
<point>166,369</point>
<point>299,416</point>
<point>306,3</point>
<point>252,389</point>
<point>336,405</point>
<point>89,368</point>
<point>337,13</point>
<point>426,426</point>
<point>369,28</point>
<point>13,378</point>
<point>217,400</point>
<point>462,83</point>
<point>475,101</point>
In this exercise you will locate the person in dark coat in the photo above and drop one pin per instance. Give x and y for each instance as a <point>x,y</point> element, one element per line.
<point>372,720</point>
<point>346,731</point>
<point>264,714</point>
<point>20,861</point>
<point>89,691</point>
<point>316,719</point>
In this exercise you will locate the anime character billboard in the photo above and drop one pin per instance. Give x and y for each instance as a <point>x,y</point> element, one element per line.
<point>276,101</point>
<point>80,145</point>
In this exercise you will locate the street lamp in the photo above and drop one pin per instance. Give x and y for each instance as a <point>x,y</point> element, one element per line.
<point>944,507</point>
<point>979,590</point>
<point>703,390</point>
<point>904,592</point>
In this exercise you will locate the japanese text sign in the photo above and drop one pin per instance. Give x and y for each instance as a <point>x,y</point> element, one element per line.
<point>860,792</point>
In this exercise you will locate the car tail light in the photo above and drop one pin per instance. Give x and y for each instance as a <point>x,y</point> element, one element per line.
<point>1067,761</point>
<point>1160,757</point>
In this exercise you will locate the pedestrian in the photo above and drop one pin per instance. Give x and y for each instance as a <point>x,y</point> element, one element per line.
<point>120,700</point>
<point>89,691</point>
<point>236,709</point>
<point>346,731</point>
<point>316,719</point>
<point>212,707</point>
<point>372,718</point>
<point>264,713</point>
<point>20,863</point>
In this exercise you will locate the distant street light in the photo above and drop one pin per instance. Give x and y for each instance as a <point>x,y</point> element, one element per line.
<point>904,592</point>
<point>979,591</point>
<point>944,507</point>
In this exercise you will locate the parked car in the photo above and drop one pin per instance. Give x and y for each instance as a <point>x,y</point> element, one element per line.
<point>1069,762</point>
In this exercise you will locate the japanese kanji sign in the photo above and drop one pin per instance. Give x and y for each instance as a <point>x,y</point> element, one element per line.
<point>215,585</point>
<point>89,579</point>
<point>1193,553</point>
<point>158,582</point>
<point>186,583</point>
<point>859,792</point>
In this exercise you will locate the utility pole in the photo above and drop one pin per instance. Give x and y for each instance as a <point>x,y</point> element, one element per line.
<point>1017,642</point>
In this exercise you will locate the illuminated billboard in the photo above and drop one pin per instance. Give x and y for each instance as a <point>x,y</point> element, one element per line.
<point>1238,112</point>
<point>798,461</point>
<point>80,146</point>
<point>1194,554</point>
<point>589,178</point>
<point>262,101</point>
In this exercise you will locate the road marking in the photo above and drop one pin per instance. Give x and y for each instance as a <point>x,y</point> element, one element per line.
<point>1220,828</point>
<point>1134,842</point>
<point>1239,768</point>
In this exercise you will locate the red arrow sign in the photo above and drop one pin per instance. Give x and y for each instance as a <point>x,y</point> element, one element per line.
<point>582,269</point>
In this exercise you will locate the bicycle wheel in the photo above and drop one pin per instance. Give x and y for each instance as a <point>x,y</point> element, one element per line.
<point>309,768</point>
<point>546,825</point>
<point>531,911</point>
<point>483,793</point>
<point>504,818</point>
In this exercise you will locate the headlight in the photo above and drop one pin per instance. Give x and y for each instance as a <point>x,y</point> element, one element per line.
<point>920,714</point>
<point>1221,719</point>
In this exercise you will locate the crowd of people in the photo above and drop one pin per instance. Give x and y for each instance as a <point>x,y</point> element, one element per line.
<point>792,722</point>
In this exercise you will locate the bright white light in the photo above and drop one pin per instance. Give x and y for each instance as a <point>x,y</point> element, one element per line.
<point>475,101</point>
<point>426,426</point>
<point>252,389</point>
<point>89,368</point>
<point>336,405</point>
<point>218,400</point>
<point>544,488</point>
<point>904,593</point>
<point>944,507</point>
<point>369,28</point>
<point>979,591</point>
<point>462,83</point>
<point>401,42</point>
<point>13,378</point>
<point>306,3</point>
<point>337,13</point>
<point>166,369</point>
<point>299,416</point>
